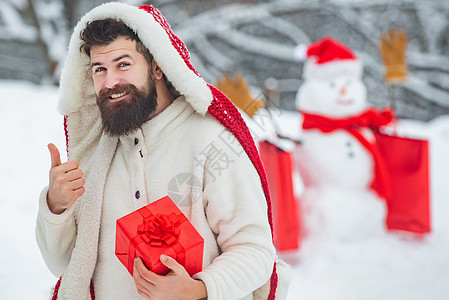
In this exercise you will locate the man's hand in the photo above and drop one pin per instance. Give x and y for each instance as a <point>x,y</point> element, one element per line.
<point>66,183</point>
<point>177,284</point>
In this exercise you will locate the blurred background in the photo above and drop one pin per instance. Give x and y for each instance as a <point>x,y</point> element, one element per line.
<point>256,38</point>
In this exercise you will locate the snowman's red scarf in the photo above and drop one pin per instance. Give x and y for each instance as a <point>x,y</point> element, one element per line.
<point>372,119</point>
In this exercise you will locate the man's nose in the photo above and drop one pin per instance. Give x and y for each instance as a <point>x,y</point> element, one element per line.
<point>112,79</point>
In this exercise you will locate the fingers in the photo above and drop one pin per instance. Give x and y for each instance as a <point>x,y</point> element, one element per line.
<point>67,175</point>
<point>142,279</point>
<point>240,81</point>
<point>66,182</point>
<point>143,290</point>
<point>142,293</point>
<point>73,188</point>
<point>54,154</point>
<point>76,185</point>
<point>171,263</point>
<point>173,285</point>
<point>402,38</point>
<point>72,172</point>
<point>78,193</point>
<point>141,272</point>
<point>56,159</point>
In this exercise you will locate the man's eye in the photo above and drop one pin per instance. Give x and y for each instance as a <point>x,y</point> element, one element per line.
<point>124,64</point>
<point>99,69</point>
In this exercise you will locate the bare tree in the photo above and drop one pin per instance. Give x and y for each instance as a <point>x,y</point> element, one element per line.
<point>257,39</point>
<point>50,21</point>
<point>33,38</point>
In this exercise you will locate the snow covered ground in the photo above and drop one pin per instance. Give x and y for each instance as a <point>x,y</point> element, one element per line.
<point>392,266</point>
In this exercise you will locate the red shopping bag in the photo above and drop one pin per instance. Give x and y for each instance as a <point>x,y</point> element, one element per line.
<point>407,162</point>
<point>278,165</point>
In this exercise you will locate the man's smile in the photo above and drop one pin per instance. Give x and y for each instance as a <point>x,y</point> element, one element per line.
<point>117,97</point>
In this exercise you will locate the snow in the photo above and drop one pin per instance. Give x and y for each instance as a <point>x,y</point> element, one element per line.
<point>390,266</point>
<point>29,121</point>
<point>387,266</point>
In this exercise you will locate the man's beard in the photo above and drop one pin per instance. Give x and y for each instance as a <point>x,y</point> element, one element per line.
<point>127,115</point>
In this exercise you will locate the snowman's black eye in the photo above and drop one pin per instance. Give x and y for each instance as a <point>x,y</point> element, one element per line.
<point>348,82</point>
<point>332,84</point>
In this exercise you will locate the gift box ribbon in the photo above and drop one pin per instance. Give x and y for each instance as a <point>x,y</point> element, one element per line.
<point>157,230</point>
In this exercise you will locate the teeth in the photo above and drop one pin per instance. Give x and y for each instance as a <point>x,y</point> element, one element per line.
<point>115,96</point>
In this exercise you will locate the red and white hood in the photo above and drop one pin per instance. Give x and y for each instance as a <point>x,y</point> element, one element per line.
<point>76,85</point>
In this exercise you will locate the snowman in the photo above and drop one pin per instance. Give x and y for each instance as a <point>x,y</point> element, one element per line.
<point>335,158</point>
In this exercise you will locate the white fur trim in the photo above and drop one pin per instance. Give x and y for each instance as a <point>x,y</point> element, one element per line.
<point>76,85</point>
<point>332,69</point>
<point>300,52</point>
<point>77,100</point>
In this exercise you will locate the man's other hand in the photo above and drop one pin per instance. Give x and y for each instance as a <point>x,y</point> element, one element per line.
<point>66,182</point>
<point>177,284</point>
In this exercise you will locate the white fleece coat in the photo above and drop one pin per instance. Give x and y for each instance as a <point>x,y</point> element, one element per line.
<point>225,204</point>
<point>231,214</point>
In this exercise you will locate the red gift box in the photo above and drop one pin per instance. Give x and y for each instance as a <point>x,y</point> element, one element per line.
<point>155,229</point>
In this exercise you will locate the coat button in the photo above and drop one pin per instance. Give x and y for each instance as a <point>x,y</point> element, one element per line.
<point>136,141</point>
<point>137,195</point>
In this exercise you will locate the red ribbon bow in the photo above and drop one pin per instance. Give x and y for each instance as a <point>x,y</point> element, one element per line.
<point>160,228</point>
<point>157,230</point>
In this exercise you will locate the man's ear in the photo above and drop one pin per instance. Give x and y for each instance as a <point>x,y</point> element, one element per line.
<point>157,72</point>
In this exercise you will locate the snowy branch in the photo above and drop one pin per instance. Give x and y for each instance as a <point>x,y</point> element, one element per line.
<point>258,45</point>
<point>13,27</point>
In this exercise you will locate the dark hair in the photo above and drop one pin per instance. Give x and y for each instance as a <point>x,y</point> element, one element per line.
<point>105,31</point>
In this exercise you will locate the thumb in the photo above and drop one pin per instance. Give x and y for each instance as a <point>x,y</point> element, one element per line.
<point>55,156</point>
<point>171,263</point>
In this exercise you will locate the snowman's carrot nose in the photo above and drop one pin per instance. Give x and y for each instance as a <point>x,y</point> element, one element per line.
<point>343,90</point>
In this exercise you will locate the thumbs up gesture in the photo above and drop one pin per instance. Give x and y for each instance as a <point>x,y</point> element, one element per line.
<point>66,182</point>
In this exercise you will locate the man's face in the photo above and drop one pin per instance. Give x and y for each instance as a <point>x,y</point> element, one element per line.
<point>125,87</point>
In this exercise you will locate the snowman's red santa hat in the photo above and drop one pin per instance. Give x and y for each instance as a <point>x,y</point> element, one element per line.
<point>328,58</point>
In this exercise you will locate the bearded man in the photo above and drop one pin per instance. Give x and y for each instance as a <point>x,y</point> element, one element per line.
<point>137,118</point>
